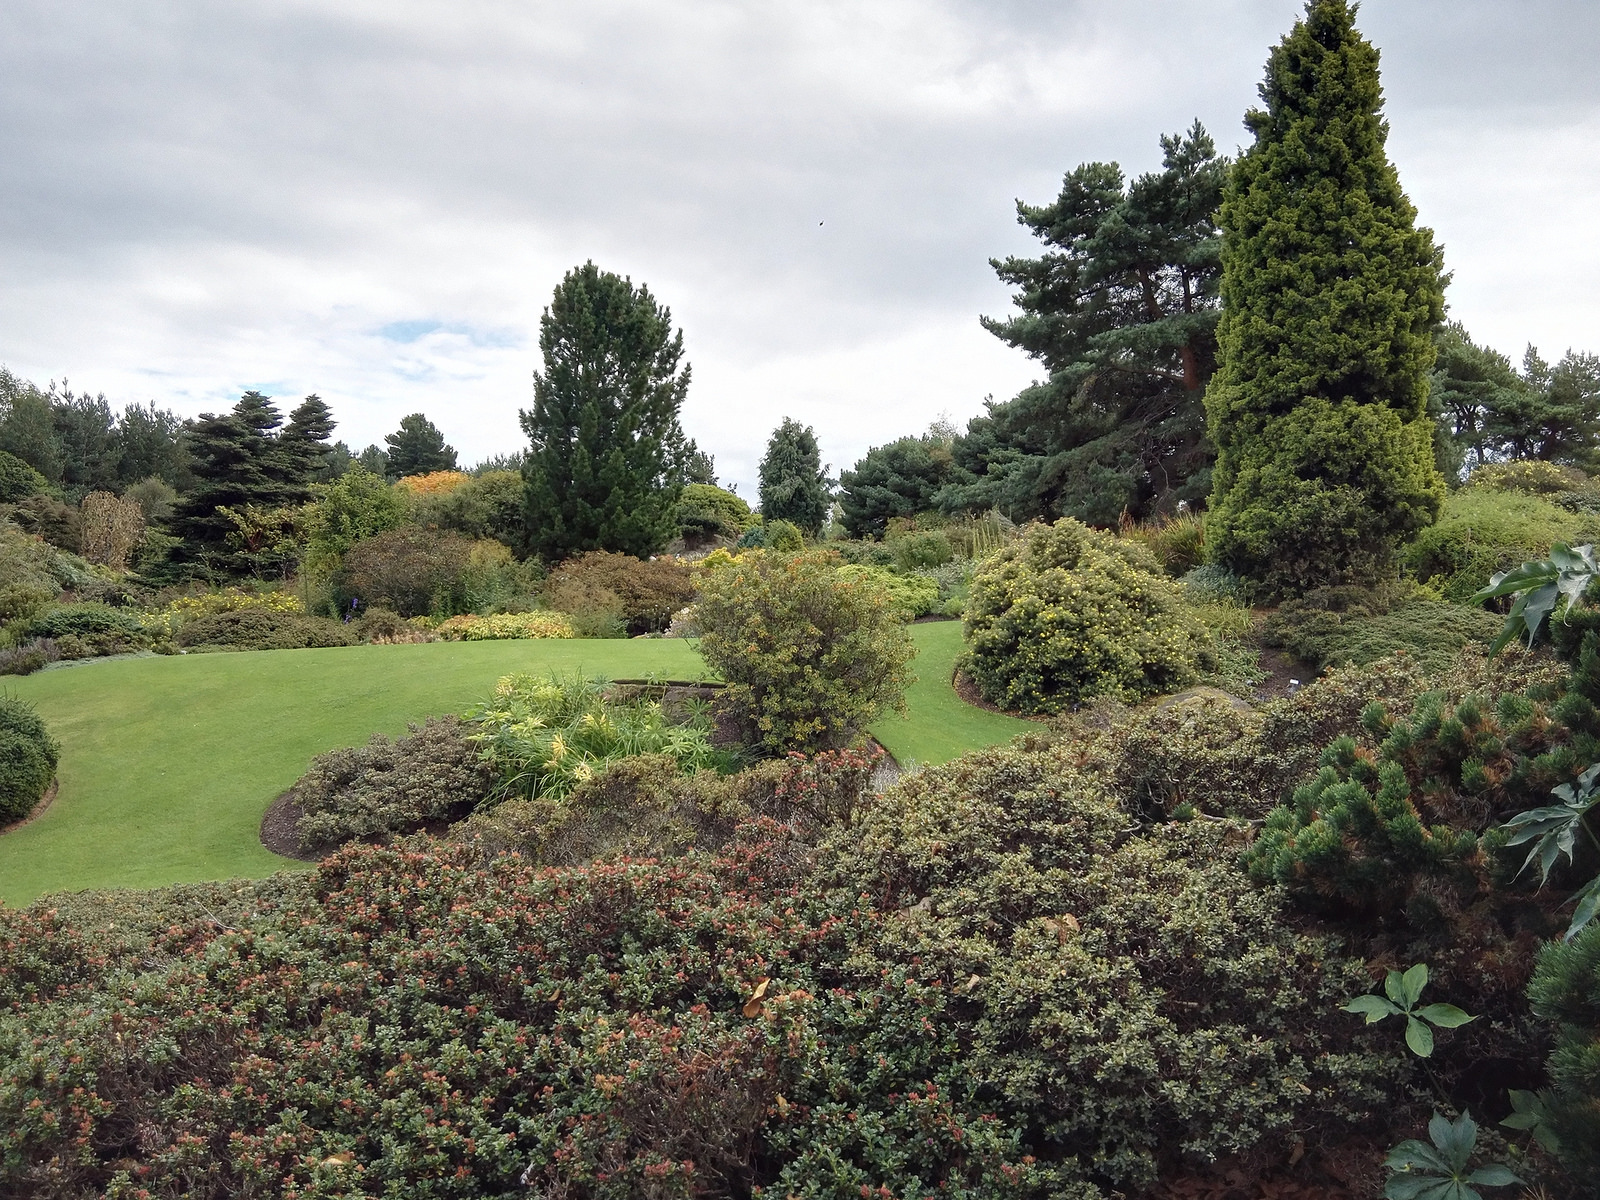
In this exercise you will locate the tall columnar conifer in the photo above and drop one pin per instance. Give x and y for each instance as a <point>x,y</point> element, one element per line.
<point>1331,296</point>
<point>606,457</point>
<point>794,485</point>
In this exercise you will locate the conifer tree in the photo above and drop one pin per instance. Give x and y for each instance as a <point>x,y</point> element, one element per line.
<point>304,447</point>
<point>606,458</point>
<point>418,448</point>
<point>794,484</point>
<point>236,461</point>
<point>1331,297</point>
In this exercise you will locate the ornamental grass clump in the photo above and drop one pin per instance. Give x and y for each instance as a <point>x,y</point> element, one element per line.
<point>546,735</point>
<point>1067,613</point>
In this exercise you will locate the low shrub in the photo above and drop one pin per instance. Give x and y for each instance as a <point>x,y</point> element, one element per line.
<point>432,776</point>
<point>641,594</point>
<point>862,553</point>
<point>88,630</point>
<point>1532,477</point>
<point>506,625</point>
<point>954,581</point>
<point>1566,992</point>
<point>24,599</point>
<point>27,759</point>
<point>18,480</point>
<point>546,735</point>
<point>433,483</point>
<point>1068,613</point>
<point>421,572</point>
<point>1211,584</point>
<point>263,629</point>
<point>1338,625</point>
<point>911,596</point>
<point>48,518</point>
<point>783,536</point>
<point>926,548</point>
<point>1482,531</point>
<point>30,656</point>
<point>810,656</point>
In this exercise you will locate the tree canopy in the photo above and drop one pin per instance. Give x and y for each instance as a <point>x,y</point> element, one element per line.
<point>606,457</point>
<point>794,485</point>
<point>1331,297</point>
<point>416,448</point>
<point>899,479</point>
<point>1121,310</point>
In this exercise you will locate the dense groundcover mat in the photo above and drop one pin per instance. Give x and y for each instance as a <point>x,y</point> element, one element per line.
<point>988,986</point>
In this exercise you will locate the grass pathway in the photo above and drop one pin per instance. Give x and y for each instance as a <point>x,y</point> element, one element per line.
<point>168,763</point>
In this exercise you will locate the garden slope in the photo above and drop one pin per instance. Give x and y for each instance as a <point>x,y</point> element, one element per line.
<point>168,763</point>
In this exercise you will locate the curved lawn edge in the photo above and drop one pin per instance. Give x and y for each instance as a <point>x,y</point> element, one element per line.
<point>939,725</point>
<point>169,762</point>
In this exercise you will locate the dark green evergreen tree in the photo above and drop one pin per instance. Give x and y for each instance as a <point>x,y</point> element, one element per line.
<point>83,426</point>
<point>899,479</point>
<point>794,485</point>
<point>418,448</point>
<point>605,462</point>
<point>27,426</point>
<point>303,446</point>
<point>235,461</point>
<point>1122,312</point>
<point>1331,298</point>
<point>375,461</point>
<point>1468,389</point>
<point>147,442</point>
<point>1558,419</point>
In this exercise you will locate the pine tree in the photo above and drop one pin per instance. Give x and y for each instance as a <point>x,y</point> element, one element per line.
<point>1121,310</point>
<point>1331,297</point>
<point>794,485</point>
<point>899,479</point>
<point>418,448</point>
<point>304,446</point>
<point>605,463</point>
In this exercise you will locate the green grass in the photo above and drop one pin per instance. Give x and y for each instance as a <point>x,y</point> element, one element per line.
<point>168,763</point>
<point>939,725</point>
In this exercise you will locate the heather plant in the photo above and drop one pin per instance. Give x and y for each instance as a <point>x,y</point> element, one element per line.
<point>430,777</point>
<point>810,656</point>
<point>259,628</point>
<point>88,630</point>
<point>1067,613</point>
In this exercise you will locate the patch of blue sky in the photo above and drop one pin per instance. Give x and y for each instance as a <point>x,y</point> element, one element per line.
<point>409,332</point>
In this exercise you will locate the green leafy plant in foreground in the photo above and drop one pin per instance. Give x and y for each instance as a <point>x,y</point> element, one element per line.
<point>1553,830</point>
<point>1439,1171</point>
<point>1530,1112</point>
<point>1538,586</point>
<point>1404,990</point>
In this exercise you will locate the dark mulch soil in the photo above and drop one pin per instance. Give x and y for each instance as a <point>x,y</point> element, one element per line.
<point>38,809</point>
<point>1284,674</point>
<point>278,828</point>
<point>1348,1171</point>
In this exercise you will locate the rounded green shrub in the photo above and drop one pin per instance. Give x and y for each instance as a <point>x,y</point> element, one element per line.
<point>784,537</point>
<point>1566,991</point>
<point>921,548</point>
<point>810,656</point>
<point>1482,531</point>
<point>912,596</point>
<point>27,759</point>
<point>1066,613</point>
<point>18,480</point>
<point>1532,476</point>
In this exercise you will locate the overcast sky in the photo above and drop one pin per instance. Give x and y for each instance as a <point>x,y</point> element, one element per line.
<point>374,199</point>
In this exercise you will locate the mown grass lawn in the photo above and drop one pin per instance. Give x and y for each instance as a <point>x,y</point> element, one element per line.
<point>167,764</point>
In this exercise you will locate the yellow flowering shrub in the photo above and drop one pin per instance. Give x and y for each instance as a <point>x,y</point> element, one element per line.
<point>434,483</point>
<point>184,609</point>
<point>1066,613</point>
<point>506,625</point>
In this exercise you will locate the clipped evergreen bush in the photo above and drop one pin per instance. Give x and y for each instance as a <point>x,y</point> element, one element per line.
<point>810,656</point>
<point>1331,296</point>
<point>1331,626</point>
<point>1067,613</point>
<point>641,593</point>
<point>912,596</point>
<point>18,480</point>
<point>27,759</point>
